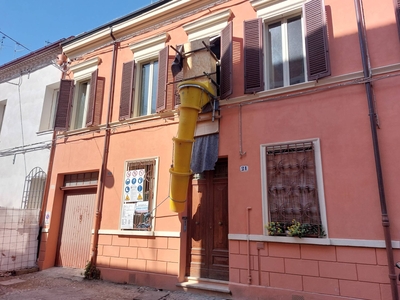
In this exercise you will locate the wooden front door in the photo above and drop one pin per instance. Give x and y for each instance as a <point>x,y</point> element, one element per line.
<point>208,224</point>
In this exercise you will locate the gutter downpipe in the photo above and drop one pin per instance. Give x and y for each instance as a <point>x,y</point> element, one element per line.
<point>48,179</point>
<point>372,115</point>
<point>103,173</point>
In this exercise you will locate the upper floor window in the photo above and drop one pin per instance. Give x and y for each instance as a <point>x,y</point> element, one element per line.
<point>148,88</point>
<point>80,100</point>
<point>285,52</point>
<point>286,45</point>
<point>147,94</point>
<point>80,105</point>
<point>49,107</point>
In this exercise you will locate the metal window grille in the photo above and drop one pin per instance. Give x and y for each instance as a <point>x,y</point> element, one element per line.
<point>292,185</point>
<point>32,195</point>
<point>143,220</point>
<point>81,179</point>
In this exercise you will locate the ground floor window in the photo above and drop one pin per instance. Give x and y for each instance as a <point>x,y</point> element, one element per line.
<point>293,189</point>
<point>138,197</point>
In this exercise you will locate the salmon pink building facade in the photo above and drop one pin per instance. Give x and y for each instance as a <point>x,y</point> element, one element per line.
<point>291,191</point>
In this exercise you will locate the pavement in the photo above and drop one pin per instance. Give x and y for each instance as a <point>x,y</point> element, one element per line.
<point>64,283</point>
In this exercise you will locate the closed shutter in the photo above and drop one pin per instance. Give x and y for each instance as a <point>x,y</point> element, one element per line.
<point>64,104</point>
<point>253,57</point>
<point>127,90</point>
<point>397,12</point>
<point>316,40</point>
<point>162,79</point>
<point>95,99</point>
<point>226,61</point>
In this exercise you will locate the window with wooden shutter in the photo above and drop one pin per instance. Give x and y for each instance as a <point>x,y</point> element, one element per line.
<point>127,94</point>
<point>226,62</point>
<point>95,99</point>
<point>64,104</point>
<point>253,56</point>
<point>316,40</point>
<point>162,79</point>
<point>294,43</point>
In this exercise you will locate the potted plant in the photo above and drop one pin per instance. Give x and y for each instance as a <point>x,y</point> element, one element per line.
<point>276,228</point>
<point>305,230</point>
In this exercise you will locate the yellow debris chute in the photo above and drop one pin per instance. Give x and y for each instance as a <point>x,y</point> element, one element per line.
<point>194,95</point>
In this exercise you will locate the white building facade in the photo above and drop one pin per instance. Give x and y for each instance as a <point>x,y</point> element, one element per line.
<point>28,98</point>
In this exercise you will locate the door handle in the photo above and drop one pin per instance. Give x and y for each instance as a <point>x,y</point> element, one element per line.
<point>220,223</point>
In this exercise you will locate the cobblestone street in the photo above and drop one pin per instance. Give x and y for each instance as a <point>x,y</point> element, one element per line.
<point>63,284</point>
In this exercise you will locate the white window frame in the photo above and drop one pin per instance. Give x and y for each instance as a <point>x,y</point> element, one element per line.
<point>77,93</point>
<point>273,11</point>
<point>82,73</point>
<point>152,204</point>
<point>3,105</point>
<point>49,107</point>
<point>319,178</point>
<point>138,104</point>
<point>285,49</point>
<point>144,52</point>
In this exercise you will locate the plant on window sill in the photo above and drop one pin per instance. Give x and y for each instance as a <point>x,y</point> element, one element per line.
<point>276,228</point>
<point>295,229</point>
<point>305,230</point>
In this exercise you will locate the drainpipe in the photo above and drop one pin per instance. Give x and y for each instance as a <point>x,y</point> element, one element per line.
<point>372,119</point>
<point>103,173</point>
<point>48,179</point>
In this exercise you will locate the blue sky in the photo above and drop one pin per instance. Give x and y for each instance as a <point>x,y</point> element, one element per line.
<point>34,23</point>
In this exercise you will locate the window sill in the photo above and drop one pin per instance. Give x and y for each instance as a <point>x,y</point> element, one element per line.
<point>44,132</point>
<point>78,131</point>
<point>314,241</point>
<point>141,119</point>
<point>135,120</point>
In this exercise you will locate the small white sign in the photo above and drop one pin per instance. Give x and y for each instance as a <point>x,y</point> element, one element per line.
<point>244,168</point>
<point>128,211</point>
<point>47,218</point>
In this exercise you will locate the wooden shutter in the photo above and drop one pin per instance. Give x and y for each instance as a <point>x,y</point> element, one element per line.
<point>253,57</point>
<point>64,104</point>
<point>397,13</point>
<point>226,61</point>
<point>127,90</point>
<point>95,99</point>
<point>162,79</point>
<point>316,40</point>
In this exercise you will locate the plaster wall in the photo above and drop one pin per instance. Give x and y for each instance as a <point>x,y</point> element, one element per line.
<point>25,98</point>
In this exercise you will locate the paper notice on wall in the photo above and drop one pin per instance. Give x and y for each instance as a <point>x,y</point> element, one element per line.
<point>133,187</point>
<point>128,211</point>
<point>142,207</point>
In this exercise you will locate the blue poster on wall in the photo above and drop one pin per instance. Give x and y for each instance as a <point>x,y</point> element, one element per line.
<point>133,187</point>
